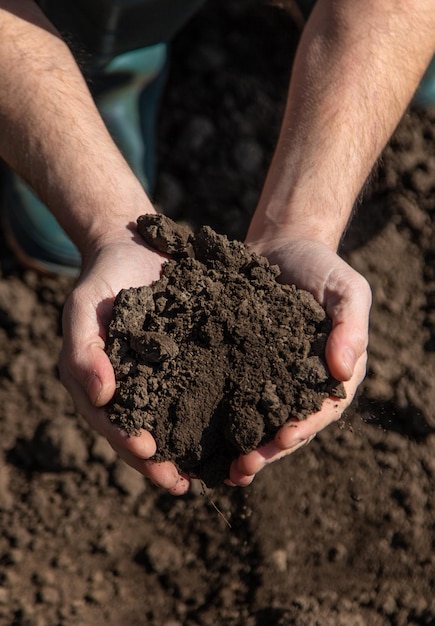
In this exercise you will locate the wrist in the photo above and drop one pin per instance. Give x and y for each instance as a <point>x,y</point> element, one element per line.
<point>124,254</point>
<point>96,215</point>
<point>116,229</point>
<point>318,222</point>
<point>296,203</point>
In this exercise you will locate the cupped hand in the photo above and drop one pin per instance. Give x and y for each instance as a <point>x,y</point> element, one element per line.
<point>84,367</point>
<point>346,297</point>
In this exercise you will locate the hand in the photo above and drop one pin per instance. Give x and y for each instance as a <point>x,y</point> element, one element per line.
<point>84,367</point>
<point>346,297</point>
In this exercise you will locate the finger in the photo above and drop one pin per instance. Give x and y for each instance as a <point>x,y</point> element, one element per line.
<point>250,464</point>
<point>164,474</point>
<point>85,319</point>
<point>141,446</point>
<point>182,487</point>
<point>91,369</point>
<point>294,431</point>
<point>239,479</point>
<point>83,357</point>
<point>348,305</point>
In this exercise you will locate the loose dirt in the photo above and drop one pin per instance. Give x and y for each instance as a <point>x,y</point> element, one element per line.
<point>216,355</point>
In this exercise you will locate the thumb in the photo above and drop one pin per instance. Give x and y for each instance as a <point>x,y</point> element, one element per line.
<point>342,352</point>
<point>349,336</point>
<point>90,371</point>
<point>98,376</point>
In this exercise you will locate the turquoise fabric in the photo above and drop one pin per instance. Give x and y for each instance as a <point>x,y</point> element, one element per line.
<point>129,109</point>
<point>425,95</point>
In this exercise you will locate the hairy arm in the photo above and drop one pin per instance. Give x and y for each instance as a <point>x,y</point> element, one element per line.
<point>357,67</point>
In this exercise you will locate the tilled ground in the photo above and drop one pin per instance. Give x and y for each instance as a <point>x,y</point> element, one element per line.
<point>341,533</point>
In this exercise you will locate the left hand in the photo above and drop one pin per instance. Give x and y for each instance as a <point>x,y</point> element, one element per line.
<point>346,297</point>
<point>84,367</point>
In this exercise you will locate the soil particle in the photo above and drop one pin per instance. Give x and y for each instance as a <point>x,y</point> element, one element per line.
<point>216,355</point>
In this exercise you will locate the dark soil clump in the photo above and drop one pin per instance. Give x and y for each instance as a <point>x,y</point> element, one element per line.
<point>216,355</point>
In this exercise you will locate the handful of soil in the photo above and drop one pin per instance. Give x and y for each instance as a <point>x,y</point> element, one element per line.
<point>216,355</point>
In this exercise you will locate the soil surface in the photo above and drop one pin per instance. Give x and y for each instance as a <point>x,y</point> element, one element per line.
<point>339,534</point>
<point>216,355</point>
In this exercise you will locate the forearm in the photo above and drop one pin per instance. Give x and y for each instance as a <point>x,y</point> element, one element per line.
<point>356,69</point>
<point>52,134</point>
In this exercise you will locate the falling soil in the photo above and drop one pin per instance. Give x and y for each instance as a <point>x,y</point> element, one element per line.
<point>216,355</point>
